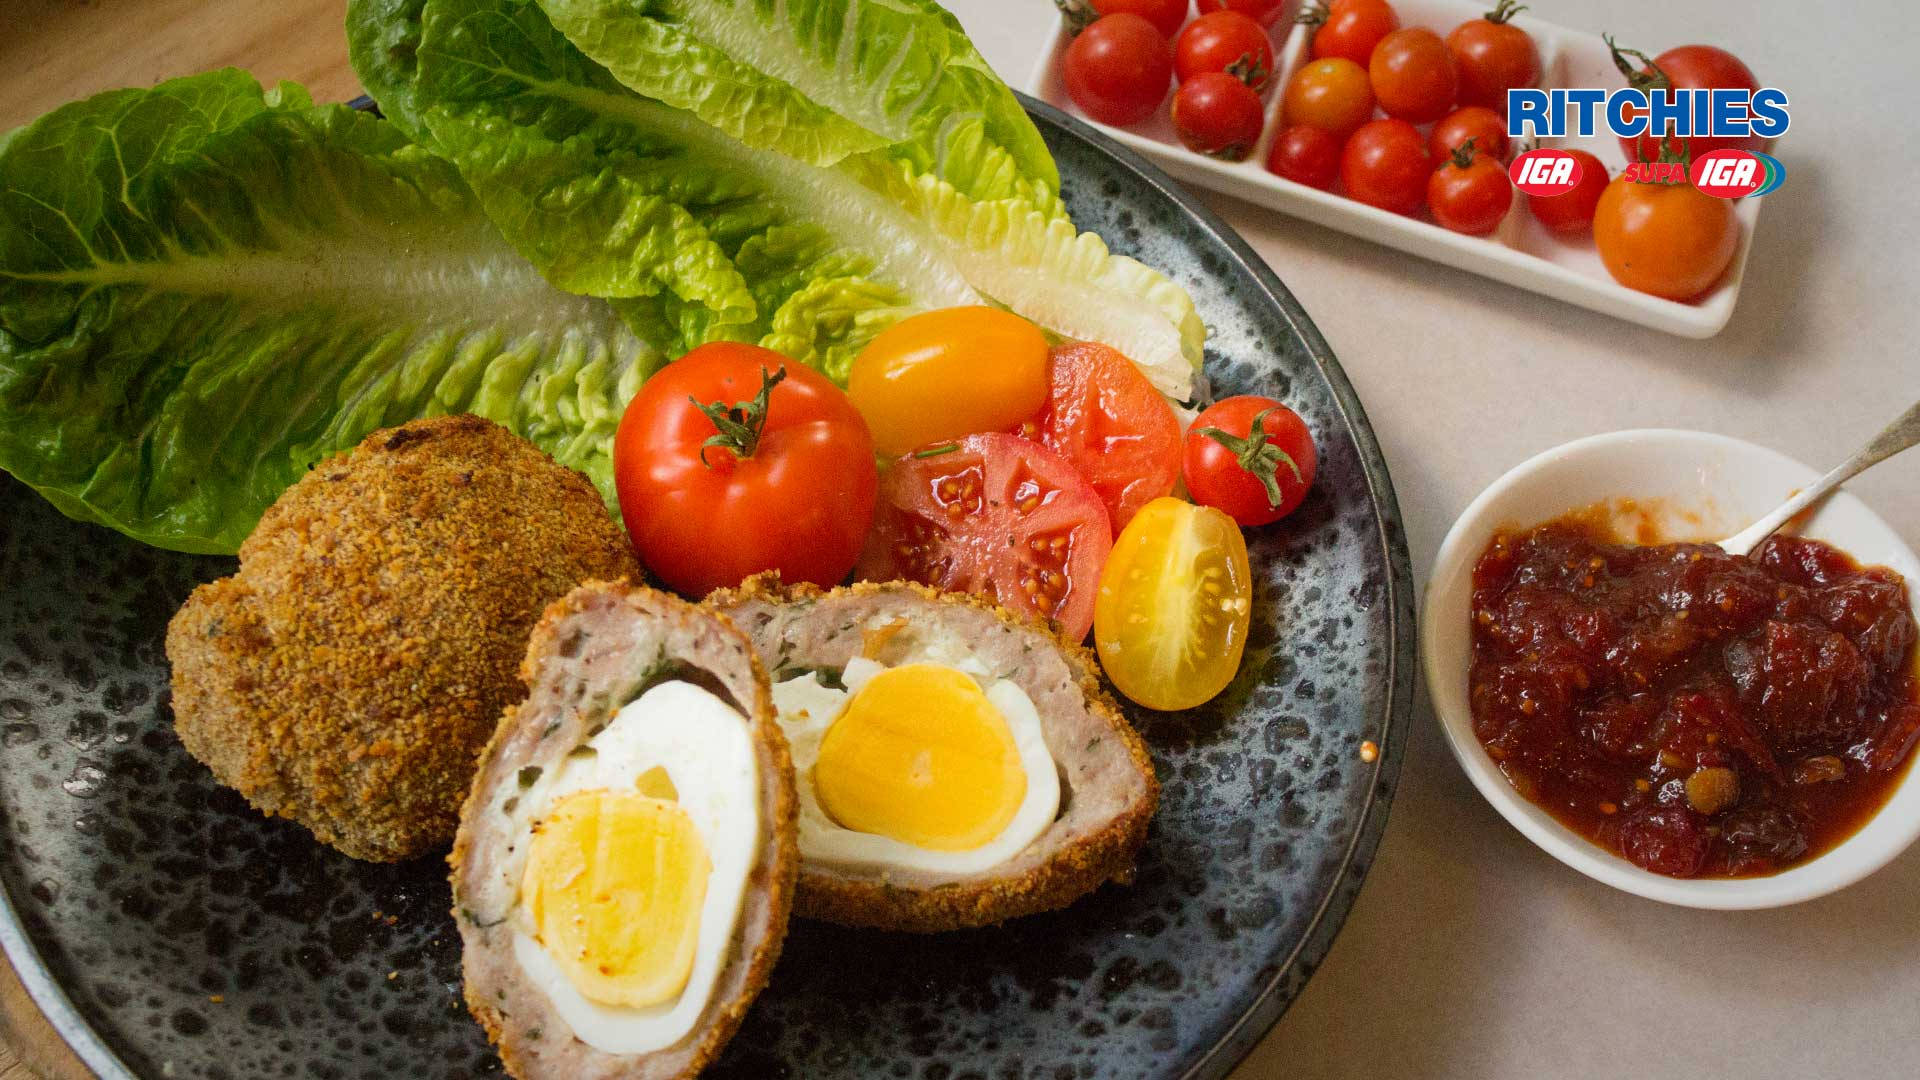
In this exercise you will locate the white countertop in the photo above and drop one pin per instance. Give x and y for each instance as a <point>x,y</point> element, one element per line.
<point>1471,953</point>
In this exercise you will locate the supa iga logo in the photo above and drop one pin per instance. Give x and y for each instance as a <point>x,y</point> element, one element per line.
<point>1737,174</point>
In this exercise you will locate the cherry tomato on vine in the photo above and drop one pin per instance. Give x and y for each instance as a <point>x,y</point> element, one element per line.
<point>1349,29</point>
<point>733,460</point>
<point>1117,69</point>
<point>1688,67</point>
<point>1251,457</point>
<point>1332,95</point>
<point>1224,41</point>
<point>1260,11</point>
<point>947,373</point>
<point>1471,192</point>
<point>1174,605</point>
<point>1165,15</point>
<point>998,516</point>
<point>1671,240</point>
<point>1385,164</point>
<point>1305,155</point>
<point>1487,129</point>
<point>1106,418</point>
<point>1413,75</point>
<point>1217,114</point>
<point>1572,211</point>
<point>1494,56</point>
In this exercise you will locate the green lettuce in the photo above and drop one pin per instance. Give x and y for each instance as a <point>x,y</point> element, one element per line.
<point>835,224</point>
<point>566,159</point>
<point>823,81</point>
<point>205,288</point>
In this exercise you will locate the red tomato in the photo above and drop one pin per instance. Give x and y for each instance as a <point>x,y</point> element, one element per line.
<point>996,515</point>
<point>1305,155</point>
<point>1671,240</point>
<point>1117,70</point>
<point>1413,75</point>
<point>1385,164</point>
<point>1217,114</point>
<point>1487,129</point>
<point>1224,41</point>
<point>1332,95</point>
<point>1255,478</point>
<point>1108,420</point>
<point>1349,29</point>
<point>791,488</point>
<point>1470,193</point>
<point>1260,11</point>
<point>1165,15</point>
<point>1572,211</point>
<point>1494,56</point>
<point>1689,67</point>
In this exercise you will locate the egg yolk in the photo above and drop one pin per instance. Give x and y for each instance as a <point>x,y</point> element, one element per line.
<point>920,755</point>
<point>614,884</point>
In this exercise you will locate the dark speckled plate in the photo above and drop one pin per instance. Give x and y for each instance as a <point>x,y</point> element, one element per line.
<point>168,930</point>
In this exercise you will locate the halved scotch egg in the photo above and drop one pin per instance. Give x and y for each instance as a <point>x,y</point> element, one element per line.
<point>957,765</point>
<point>625,863</point>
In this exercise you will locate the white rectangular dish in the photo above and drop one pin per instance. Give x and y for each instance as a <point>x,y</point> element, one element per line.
<point>1520,252</point>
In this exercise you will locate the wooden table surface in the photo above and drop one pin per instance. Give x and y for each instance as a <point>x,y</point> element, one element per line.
<point>54,51</point>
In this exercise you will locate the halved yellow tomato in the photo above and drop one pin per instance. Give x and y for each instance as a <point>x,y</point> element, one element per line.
<point>1170,619</point>
<point>942,374</point>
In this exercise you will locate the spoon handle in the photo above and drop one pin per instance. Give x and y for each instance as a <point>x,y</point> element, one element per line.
<point>1902,434</point>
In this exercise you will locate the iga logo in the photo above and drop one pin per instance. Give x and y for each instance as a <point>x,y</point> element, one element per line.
<point>1737,174</point>
<point>1545,172</point>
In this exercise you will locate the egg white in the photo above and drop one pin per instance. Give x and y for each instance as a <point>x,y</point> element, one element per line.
<point>707,750</point>
<point>807,709</point>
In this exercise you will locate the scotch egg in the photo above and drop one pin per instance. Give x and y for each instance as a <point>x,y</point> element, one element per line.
<point>625,861</point>
<point>956,765</point>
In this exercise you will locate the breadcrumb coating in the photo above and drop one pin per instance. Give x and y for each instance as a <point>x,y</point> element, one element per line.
<point>1070,868</point>
<point>349,674</point>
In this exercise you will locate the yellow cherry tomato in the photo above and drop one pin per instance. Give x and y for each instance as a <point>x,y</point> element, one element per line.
<point>1170,618</point>
<point>943,374</point>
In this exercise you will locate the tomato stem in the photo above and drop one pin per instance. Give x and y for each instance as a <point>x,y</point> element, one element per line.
<point>1648,77</point>
<point>738,426</point>
<point>1463,154</point>
<point>1259,456</point>
<point>1079,15</point>
<point>1505,10</point>
<point>1248,69</point>
<point>1312,15</point>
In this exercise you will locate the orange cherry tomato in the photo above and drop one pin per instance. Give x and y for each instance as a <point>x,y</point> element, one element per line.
<point>1332,95</point>
<point>1671,240</point>
<point>943,374</point>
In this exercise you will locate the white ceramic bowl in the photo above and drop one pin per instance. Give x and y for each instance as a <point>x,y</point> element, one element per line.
<point>1699,486</point>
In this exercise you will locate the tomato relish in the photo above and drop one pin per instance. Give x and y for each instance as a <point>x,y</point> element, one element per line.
<point>1698,713</point>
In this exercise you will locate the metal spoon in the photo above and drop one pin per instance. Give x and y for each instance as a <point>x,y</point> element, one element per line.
<point>1902,434</point>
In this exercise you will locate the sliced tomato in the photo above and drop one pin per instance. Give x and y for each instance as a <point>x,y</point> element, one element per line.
<point>995,515</point>
<point>1104,417</point>
<point>1174,605</point>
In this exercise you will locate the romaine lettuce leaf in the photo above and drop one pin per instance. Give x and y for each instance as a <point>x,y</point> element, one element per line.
<point>821,81</point>
<point>563,156</point>
<point>540,131</point>
<point>205,289</point>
